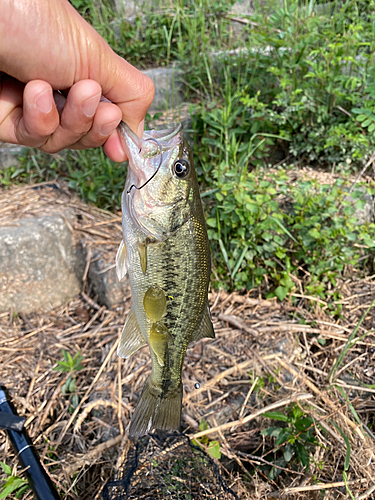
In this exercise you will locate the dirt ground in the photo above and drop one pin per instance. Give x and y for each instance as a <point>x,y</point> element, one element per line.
<point>267,356</point>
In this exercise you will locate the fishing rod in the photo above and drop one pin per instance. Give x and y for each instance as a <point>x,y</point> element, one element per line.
<point>13,424</point>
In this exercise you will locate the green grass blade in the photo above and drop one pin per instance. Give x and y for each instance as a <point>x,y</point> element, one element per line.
<point>348,448</point>
<point>225,255</point>
<point>239,262</point>
<point>345,477</point>
<point>283,228</point>
<point>350,406</point>
<point>349,344</point>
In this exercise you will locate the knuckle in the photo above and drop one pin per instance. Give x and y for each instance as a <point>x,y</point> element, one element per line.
<point>50,148</point>
<point>147,90</point>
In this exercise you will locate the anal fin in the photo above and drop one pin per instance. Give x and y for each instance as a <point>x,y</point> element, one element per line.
<point>131,336</point>
<point>205,328</point>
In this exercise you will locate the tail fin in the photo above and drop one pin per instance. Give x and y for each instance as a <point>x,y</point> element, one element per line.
<point>156,411</point>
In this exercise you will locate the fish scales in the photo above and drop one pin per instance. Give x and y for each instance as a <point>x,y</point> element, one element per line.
<point>177,268</point>
<point>165,219</point>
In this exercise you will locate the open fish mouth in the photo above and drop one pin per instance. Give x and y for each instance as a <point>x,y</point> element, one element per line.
<point>162,136</point>
<point>147,153</point>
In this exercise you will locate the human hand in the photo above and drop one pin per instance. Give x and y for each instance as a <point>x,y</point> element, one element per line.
<point>48,47</point>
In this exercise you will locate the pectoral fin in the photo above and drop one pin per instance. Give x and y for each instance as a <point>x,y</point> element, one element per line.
<point>131,337</point>
<point>205,328</point>
<point>121,261</point>
<point>142,250</point>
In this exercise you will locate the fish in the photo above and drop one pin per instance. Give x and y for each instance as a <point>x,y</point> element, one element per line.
<point>165,252</point>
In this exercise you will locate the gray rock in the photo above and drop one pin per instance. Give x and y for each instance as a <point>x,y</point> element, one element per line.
<point>105,285</point>
<point>9,154</point>
<point>169,87</point>
<point>243,8</point>
<point>366,214</point>
<point>40,267</point>
<point>129,8</point>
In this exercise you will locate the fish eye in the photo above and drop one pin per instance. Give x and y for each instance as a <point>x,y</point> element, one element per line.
<point>181,168</point>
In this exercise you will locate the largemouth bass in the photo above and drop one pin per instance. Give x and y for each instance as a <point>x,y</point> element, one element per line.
<point>166,253</point>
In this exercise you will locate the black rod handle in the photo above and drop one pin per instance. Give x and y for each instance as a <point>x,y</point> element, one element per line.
<point>39,480</point>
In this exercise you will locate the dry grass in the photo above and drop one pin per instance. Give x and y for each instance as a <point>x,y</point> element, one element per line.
<point>290,347</point>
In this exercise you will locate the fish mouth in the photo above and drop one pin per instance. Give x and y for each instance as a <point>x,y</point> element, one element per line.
<point>147,153</point>
<point>162,136</point>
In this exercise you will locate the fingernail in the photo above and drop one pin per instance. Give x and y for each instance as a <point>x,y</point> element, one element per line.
<point>43,101</point>
<point>108,128</point>
<point>141,128</point>
<point>90,105</point>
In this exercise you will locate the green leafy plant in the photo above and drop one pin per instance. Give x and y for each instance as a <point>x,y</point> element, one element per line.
<point>70,365</point>
<point>295,440</point>
<point>264,226</point>
<point>303,75</point>
<point>212,447</point>
<point>13,485</point>
<point>90,173</point>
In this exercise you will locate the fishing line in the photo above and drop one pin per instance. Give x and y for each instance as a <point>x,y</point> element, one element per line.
<point>156,171</point>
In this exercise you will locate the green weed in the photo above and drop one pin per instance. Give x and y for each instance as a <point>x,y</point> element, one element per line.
<point>263,227</point>
<point>212,447</point>
<point>305,77</point>
<point>14,485</point>
<point>70,365</point>
<point>296,440</point>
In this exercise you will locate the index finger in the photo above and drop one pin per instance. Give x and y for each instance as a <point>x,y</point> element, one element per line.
<point>129,88</point>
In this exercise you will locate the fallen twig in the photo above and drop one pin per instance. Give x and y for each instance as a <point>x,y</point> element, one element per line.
<point>91,455</point>
<point>232,320</point>
<point>315,487</point>
<point>218,377</point>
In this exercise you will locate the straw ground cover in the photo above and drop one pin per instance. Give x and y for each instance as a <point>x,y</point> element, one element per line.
<point>286,391</point>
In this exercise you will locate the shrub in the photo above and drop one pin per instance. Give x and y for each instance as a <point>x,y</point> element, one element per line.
<point>309,79</point>
<point>265,228</point>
